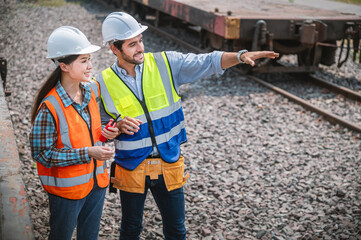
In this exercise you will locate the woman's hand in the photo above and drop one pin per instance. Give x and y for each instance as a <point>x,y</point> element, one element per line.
<point>129,125</point>
<point>100,153</point>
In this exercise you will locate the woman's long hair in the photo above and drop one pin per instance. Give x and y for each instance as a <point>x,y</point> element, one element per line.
<point>50,82</point>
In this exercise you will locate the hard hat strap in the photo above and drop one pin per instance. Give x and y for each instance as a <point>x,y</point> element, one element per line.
<point>56,62</point>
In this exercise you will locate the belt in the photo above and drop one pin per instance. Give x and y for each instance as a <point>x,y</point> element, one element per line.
<point>153,156</point>
<point>153,168</point>
<point>134,181</point>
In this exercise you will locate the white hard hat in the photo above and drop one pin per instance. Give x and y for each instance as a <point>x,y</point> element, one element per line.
<point>66,40</point>
<point>120,26</point>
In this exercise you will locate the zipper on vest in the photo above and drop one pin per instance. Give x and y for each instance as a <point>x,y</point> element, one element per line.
<point>150,124</point>
<point>145,109</point>
<point>91,138</point>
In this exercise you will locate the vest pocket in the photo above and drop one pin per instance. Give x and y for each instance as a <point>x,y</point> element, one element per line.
<point>126,104</point>
<point>173,174</point>
<point>157,102</point>
<point>129,181</point>
<point>172,142</point>
<point>168,124</point>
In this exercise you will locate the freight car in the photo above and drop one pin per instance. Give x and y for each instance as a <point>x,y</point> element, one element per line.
<point>310,33</point>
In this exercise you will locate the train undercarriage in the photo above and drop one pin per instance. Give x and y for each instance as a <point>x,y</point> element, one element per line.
<point>313,35</point>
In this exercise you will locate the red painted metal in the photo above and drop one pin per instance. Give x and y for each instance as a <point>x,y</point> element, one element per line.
<point>214,16</point>
<point>219,26</point>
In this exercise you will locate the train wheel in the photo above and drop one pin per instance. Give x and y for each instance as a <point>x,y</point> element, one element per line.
<point>142,11</point>
<point>244,68</point>
<point>328,55</point>
<point>134,8</point>
<point>211,41</point>
<point>125,5</point>
<point>206,41</point>
<point>304,58</point>
<point>309,57</point>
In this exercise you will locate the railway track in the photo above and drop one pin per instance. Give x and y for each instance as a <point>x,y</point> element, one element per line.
<point>331,117</point>
<point>334,87</point>
<point>250,175</point>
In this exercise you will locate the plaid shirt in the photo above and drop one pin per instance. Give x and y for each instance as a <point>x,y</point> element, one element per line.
<point>43,135</point>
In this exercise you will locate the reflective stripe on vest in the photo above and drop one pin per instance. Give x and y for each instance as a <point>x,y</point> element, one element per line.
<point>147,142</point>
<point>95,88</point>
<point>161,103</point>
<point>110,106</point>
<point>71,182</point>
<point>63,126</point>
<point>74,181</point>
<point>164,74</point>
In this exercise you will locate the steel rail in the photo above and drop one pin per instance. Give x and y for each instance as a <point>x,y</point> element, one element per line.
<point>323,83</point>
<point>326,114</point>
<point>336,88</point>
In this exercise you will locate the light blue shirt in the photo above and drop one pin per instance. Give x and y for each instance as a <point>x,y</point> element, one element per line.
<point>185,68</point>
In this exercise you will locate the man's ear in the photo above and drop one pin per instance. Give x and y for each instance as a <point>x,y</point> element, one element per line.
<point>114,49</point>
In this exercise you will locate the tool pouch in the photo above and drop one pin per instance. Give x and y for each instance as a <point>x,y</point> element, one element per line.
<point>129,181</point>
<point>134,181</point>
<point>173,174</point>
<point>112,189</point>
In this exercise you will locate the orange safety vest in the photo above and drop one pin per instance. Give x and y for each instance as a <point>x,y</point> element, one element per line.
<point>75,181</point>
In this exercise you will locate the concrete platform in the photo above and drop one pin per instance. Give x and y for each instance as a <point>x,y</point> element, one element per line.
<point>15,221</point>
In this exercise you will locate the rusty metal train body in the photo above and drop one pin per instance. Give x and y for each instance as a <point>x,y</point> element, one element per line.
<point>288,28</point>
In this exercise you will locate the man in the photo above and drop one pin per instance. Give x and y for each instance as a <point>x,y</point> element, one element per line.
<point>143,88</point>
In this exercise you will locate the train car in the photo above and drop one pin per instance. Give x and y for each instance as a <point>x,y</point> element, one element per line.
<point>285,27</point>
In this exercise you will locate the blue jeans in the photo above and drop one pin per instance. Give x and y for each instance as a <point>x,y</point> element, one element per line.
<point>170,204</point>
<point>85,214</point>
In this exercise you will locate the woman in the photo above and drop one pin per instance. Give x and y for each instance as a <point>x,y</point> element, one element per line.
<point>65,135</point>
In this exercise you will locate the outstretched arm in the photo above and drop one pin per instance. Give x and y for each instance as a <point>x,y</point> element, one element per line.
<point>229,59</point>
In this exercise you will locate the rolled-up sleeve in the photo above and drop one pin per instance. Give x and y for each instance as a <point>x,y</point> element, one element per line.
<point>187,68</point>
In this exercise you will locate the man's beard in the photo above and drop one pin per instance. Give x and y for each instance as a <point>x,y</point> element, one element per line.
<point>132,60</point>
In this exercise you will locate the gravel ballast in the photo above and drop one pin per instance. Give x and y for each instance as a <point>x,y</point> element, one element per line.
<point>261,166</point>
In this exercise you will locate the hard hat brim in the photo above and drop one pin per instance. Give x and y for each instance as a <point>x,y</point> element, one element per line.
<point>87,50</point>
<point>90,49</point>
<point>142,29</point>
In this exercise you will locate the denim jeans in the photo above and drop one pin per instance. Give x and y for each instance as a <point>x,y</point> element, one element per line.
<point>85,214</point>
<point>170,204</point>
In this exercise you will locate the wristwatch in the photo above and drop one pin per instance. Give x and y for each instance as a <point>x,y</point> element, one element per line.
<point>239,55</point>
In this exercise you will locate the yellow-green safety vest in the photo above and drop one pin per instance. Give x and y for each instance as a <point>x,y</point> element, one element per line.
<point>160,112</point>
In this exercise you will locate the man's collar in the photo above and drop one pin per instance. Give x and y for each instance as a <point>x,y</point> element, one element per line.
<point>124,72</point>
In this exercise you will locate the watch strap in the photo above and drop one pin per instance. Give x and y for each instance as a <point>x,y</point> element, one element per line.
<point>239,55</point>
